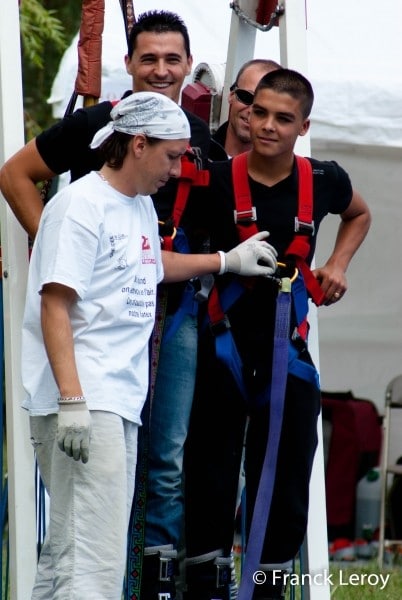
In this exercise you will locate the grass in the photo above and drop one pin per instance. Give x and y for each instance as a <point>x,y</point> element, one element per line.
<point>354,581</point>
<point>368,582</point>
<point>368,585</point>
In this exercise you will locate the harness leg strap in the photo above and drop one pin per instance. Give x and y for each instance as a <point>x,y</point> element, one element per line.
<point>158,573</point>
<point>273,582</point>
<point>208,577</point>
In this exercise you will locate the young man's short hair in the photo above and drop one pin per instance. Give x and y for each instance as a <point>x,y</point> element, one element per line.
<point>287,81</point>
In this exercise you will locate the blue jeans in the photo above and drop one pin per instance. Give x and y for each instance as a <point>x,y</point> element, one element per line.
<point>169,421</point>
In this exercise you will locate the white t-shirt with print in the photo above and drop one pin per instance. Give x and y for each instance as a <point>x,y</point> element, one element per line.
<point>106,247</point>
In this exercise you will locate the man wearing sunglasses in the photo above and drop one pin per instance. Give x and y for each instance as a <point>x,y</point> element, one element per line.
<point>233,136</point>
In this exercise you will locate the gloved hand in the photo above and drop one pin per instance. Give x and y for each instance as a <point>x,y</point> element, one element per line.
<point>74,428</point>
<point>254,256</point>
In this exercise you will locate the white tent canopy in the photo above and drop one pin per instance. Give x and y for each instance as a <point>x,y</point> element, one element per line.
<point>354,54</point>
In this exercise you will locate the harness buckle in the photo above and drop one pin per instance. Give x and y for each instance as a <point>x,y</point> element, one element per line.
<point>245,216</point>
<point>223,575</point>
<point>195,155</point>
<point>165,568</point>
<point>220,326</point>
<point>303,227</point>
<point>206,285</point>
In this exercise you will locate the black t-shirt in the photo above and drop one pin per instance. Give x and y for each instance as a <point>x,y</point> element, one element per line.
<point>66,147</point>
<point>252,315</point>
<point>277,205</point>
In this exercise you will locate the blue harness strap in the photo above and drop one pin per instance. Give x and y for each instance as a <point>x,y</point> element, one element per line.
<point>301,369</point>
<point>188,304</point>
<point>226,349</point>
<point>267,480</point>
<point>225,346</point>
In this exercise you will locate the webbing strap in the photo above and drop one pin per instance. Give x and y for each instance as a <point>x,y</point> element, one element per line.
<point>300,307</point>
<point>263,501</point>
<point>190,175</point>
<point>302,369</point>
<point>244,215</point>
<point>300,246</point>
<point>312,284</point>
<point>305,173</point>
<point>226,350</point>
<point>136,529</point>
<point>188,306</point>
<point>225,346</point>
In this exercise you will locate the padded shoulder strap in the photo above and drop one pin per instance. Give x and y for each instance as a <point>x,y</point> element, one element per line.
<point>305,175</point>
<point>244,213</point>
<point>190,175</point>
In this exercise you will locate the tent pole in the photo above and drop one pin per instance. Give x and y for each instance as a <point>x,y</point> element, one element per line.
<point>314,552</point>
<point>240,49</point>
<point>14,245</point>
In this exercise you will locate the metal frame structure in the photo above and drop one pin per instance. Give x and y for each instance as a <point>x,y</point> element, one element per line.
<point>391,428</point>
<point>14,243</point>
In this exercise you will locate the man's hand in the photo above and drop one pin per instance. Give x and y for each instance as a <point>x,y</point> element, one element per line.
<point>254,256</point>
<point>74,428</point>
<point>332,281</point>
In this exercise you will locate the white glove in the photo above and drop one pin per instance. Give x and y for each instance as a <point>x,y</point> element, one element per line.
<point>74,428</point>
<point>252,257</point>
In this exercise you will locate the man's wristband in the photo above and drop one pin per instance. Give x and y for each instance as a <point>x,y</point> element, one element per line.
<point>71,400</point>
<point>222,269</point>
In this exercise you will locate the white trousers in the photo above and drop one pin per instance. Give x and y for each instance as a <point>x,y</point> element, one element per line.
<point>84,553</point>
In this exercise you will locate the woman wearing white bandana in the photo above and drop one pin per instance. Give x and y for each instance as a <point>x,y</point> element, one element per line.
<point>90,310</point>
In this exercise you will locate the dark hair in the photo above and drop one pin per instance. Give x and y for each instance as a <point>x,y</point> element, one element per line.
<point>114,149</point>
<point>287,81</point>
<point>269,64</point>
<point>158,21</point>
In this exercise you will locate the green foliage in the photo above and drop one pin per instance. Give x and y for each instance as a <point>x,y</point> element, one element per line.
<point>47,28</point>
<point>39,25</point>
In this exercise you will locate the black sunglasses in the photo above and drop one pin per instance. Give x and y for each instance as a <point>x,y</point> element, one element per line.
<point>242,96</point>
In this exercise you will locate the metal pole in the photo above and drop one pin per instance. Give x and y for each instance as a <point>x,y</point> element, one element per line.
<point>293,52</point>
<point>14,245</point>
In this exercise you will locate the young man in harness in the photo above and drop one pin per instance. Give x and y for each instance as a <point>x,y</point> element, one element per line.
<point>241,354</point>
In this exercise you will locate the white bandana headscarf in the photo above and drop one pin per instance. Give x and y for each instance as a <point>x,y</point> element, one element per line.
<point>149,113</point>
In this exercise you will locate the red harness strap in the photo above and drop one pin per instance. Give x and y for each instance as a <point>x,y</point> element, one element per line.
<point>190,175</point>
<point>245,217</point>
